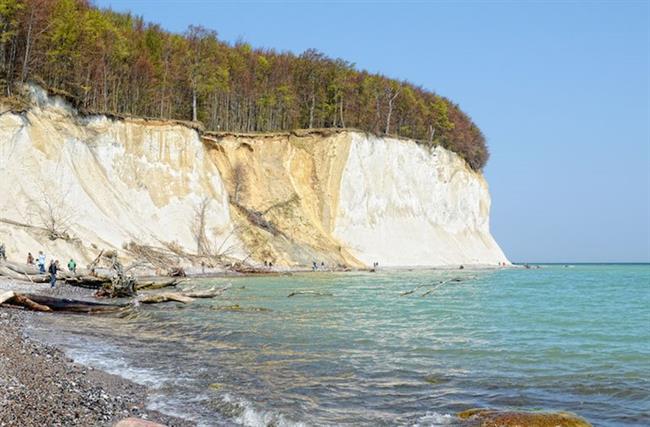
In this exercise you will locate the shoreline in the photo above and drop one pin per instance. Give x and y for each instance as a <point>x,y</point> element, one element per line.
<point>40,385</point>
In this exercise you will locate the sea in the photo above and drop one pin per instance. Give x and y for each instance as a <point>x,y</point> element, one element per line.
<point>390,348</point>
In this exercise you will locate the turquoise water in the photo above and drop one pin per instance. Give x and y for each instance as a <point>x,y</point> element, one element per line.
<point>358,352</point>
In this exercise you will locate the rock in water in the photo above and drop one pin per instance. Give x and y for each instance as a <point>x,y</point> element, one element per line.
<point>495,418</point>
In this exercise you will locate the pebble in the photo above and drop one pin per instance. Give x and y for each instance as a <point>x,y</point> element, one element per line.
<point>40,386</point>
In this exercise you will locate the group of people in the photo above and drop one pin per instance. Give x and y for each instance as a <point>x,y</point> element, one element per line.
<point>315,266</point>
<point>53,268</point>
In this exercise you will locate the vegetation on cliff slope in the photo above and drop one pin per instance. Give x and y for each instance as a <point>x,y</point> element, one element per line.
<point>115,62</point>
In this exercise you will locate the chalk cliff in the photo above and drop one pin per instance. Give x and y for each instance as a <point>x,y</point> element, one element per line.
<point>342,197</point>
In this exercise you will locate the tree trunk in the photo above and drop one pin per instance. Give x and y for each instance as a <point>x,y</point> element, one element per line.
<point>391,99</point>
<point>193,104</point>
<point>28,42</point>
<point>432,132</point>
<point>311,109</point>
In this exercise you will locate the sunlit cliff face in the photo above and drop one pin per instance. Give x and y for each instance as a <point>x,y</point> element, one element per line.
<point>339,197</point>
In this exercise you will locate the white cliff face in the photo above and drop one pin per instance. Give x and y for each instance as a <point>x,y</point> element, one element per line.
<point>345,197</point>
<point>113,182</point>
<point>401,204</point>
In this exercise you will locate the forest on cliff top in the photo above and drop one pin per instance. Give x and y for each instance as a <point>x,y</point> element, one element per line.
<point>117,63</point>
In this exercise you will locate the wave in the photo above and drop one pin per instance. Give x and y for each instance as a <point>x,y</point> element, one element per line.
<point>244,412</point>
<point>436,419</point>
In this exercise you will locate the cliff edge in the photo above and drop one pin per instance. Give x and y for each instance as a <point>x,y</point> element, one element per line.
<point>73,185</point>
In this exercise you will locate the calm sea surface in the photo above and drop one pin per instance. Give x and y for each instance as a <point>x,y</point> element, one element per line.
<point>362,349</point>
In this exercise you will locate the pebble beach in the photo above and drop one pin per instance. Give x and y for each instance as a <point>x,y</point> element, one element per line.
<point>39,385</point>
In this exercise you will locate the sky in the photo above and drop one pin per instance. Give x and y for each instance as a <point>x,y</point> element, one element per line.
<point>561,91</point>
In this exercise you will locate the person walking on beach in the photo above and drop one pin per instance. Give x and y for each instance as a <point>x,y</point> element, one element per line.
<point>52,269</point>
<point>30,258</point>
<point>72,266</point>
<point>41,262</point>
<point>3,253</point>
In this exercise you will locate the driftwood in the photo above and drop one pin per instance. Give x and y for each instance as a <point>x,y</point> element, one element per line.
<point>47,304</point>
<point>22,268</point>
<point>165,297</point>
<point>156,283</point>
<point>208,293</point>
<point>89,282</point>
<point>74,306</point>
<point>239,308</point>
<point>93,264</point>
<point>35,278</point>
<point>115,282</point>
<point>20,299</point>
<point>6,296</point>
<point>121,284</point>
<point>435,285</point>
<point>27,272</point>
<point>318,294</point>
<point>23,301</point>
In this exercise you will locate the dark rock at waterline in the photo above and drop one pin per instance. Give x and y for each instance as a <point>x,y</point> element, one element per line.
<point>495,418</point>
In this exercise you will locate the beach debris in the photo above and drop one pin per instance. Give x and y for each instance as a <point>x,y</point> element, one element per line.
<point>417,288</point>
<point>121,284</point>
<point>436,285</point>
<point>28,273</point>
<point>7,271</point>
<point>165,297</point>
<point>22,300</point>
<point>6,296</point>
<point>314,293</point>
<point>46,303</point>
<point>239,308</point>
<point>491,417</point>
<point>156,283</point>
<point>441,284</point>
<point>87,281</point>
<point>208,293</point>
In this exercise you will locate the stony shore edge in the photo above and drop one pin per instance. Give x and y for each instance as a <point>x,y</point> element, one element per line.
<point>40,385</point>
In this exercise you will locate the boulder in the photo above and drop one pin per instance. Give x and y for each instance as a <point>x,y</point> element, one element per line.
<point>495,418</point>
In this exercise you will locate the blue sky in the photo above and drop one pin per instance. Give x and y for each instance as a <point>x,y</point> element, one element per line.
<point>560,89</point>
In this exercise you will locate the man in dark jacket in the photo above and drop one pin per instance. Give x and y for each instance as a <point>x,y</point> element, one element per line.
<point>52,269</point>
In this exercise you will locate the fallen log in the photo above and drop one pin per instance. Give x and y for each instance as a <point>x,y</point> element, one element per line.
<point>74,306</point>
<point>156,283</point>
<point>35,278</point>
<point>165,297</point>
<point>89,282</point>
<point>208,293</point>
<point>22,268</point>
<point>315,293</point>
<point>24,301</point>
<point>32,270</point>
<point>5,296</point>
